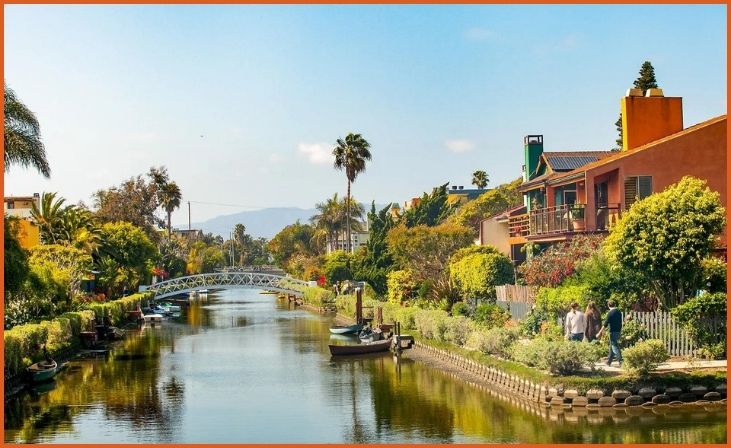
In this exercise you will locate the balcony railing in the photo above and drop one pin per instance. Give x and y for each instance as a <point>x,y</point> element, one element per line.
<point>550,220</point>
<point>518,225</point>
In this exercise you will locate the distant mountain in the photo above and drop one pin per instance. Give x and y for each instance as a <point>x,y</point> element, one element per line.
<point>264,223</point>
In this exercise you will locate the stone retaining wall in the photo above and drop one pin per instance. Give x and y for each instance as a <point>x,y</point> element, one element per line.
<point>544,396</point>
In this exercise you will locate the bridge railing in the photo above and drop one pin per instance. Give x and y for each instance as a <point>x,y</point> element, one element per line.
<point>228,280</point>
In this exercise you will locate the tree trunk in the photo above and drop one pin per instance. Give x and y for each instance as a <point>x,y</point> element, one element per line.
<point>170,229</point>
<point>347,210</point>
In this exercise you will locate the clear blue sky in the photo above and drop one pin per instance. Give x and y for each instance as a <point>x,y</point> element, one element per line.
<point>242,103</point>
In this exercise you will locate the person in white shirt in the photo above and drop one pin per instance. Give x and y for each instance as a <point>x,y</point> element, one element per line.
<point>575,324</point>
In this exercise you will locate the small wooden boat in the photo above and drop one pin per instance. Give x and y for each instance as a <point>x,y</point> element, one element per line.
<point>372,347</point>
<point>345,329</point>
<point>42,370</point>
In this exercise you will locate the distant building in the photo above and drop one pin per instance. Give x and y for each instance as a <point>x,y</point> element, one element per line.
<point>358,238</point>
<point>463,195</point>
<point>192,234</point>
<point>29,234</point>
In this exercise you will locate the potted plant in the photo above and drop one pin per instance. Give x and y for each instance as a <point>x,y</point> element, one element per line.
<point>577,217</point>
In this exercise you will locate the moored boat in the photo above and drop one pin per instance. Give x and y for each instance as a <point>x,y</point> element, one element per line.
<point>372,347</point>
<point>345,329</point>
<point>42,370</point>
<point>153,317</point>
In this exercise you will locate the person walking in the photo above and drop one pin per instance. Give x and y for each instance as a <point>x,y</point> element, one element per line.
<point>593,322</point>
<point>575,324</point>
<point>614,322</point>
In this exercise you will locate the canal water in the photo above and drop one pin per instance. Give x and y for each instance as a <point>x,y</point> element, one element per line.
<point>245,367</point>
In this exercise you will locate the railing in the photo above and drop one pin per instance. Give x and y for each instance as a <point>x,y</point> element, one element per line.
<point>661,325</point>
<point>607,216</point>
<point>519,225</point>
<point>550,220</point>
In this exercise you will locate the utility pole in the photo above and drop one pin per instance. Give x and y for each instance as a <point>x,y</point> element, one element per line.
<point>189,216</point>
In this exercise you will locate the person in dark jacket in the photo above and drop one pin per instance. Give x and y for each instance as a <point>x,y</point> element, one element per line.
<point>614,322</point>
<point>593,321</point>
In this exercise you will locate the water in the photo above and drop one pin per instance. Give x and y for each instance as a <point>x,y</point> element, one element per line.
<point>243,367</point>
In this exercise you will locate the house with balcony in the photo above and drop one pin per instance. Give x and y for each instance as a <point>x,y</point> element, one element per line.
<point>586,192</point>
<point>20,207</point>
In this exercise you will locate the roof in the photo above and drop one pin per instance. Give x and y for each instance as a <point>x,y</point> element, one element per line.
<point>505,214</point>
<point>570,160</point>
<point>535,182</point>
<point>622,154</point>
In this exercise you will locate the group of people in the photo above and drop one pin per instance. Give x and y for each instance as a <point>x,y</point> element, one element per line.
<point>589,326</point>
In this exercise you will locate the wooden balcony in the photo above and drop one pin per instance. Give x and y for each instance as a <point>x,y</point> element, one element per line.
<point>561,219</point>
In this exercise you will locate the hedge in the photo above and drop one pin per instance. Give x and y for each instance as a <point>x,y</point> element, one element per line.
<point>24,343</point>
<point>316,296</point>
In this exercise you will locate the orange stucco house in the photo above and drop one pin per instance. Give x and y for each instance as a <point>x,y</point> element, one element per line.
<point>656,152</point>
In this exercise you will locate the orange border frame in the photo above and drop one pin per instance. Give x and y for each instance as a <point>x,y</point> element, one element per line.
<point>353,2</point>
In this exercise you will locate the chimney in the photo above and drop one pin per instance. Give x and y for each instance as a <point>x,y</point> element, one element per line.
<point>533,148</point>
<point>650,117</point>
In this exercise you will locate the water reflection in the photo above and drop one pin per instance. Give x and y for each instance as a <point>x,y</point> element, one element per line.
<point>242,367</point>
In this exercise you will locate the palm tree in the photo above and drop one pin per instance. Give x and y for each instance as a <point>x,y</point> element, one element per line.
<point>351,155</point>
<point>23,144</point>
<point>480,179</point>
<point>169,196</point>
<point>49,217</point>
<point>330,219</point>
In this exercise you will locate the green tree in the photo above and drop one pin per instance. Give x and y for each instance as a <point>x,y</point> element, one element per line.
<point>49,217</point>
<point>478,269</point>
<point>169,196</point>
<point>329,219</point>
<point>351,155</point>
<point>431,209</point>
<point>337,267</point>
<point>295,239</point>
<point>426,250</point>
<point>375,262</point>
<point>666,236</point>
<point>480,179</point>
<point>489,203</point>
<point>645,80</point>
<point>23,145</point>
<point>129,248</point>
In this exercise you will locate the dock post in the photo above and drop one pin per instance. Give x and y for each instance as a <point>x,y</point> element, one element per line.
<point>358,305</point>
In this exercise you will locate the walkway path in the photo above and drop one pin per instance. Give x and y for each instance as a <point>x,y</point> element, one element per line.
<point>672,365</point>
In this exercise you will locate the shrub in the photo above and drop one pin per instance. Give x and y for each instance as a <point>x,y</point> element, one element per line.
<point>458,330</point>
<point>645,356</point>
<point>531,323</point>
<point>705,319</point>
<point>558,357</point>
<point>115,311</point>
<point>401,285</point>
<point>495,341</point>
<point>476,274</point>
<point>490,315</point>
<point>559,261</point>
<point>432,324</point>
<point>557,301</point>
<point>460,309</point>
<point>632,333</point>
<point>337,267</point>
<point>316,296</point>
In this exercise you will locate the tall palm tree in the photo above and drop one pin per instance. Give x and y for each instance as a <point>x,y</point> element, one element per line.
<point>49,217</point>
<point>351,155</point>
<point>330,218</point>
<point>23,144</point>
<point>169,196</point>
<point>480,179</point>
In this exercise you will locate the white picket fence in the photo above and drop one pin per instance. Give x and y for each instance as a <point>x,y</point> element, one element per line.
<point>660,325</point>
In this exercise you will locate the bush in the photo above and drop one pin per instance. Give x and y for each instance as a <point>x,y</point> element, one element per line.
<point>705,319</point>
<point>432,324</point>
<point>490,315</point>
<point>458,330</point>
<point>476,274</point>
<point>115,311</point>
<point>337,267</point>
<point>316,296</point>
<point>632,333</point>
<point>460,309</point>
<point>401,285</point>
<point>531,323</point>
<point>495,341</point>
<point>645,356</point>
<point>558,357</point>
<point>557,301</point>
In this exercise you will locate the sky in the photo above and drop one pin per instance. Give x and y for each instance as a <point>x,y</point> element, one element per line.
<point>243,103</point>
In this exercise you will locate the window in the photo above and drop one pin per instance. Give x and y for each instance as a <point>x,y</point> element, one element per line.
<point>636,188</point>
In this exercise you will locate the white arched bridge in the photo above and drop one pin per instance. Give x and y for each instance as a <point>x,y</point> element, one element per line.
<point>227,280</point>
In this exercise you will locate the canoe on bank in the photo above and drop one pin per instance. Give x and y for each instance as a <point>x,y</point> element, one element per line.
<point>345,329</point>
<point>42,371</point>
<point>361,349</point>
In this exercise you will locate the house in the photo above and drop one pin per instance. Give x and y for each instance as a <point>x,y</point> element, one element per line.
<point>588,194</point>
<point>29,234</point>
<point>457,193</point>
<point>358,238</point>
<point>495,231</point>
<point>192,234</point>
